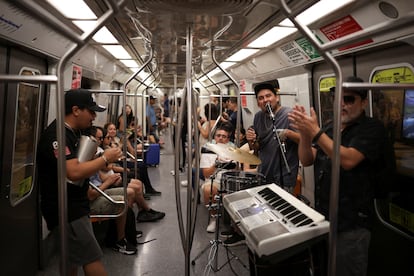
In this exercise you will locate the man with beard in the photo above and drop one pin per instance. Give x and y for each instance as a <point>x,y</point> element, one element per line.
<point>363,150</point>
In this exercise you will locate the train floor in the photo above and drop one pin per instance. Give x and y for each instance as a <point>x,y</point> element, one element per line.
<point>163,253</point>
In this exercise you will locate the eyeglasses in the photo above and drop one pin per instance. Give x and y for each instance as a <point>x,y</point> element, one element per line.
<point>100,138</point>
<point>348,99</point>
<point>222,136</point>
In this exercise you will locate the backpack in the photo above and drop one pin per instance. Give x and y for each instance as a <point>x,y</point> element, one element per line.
<point>130,230</point>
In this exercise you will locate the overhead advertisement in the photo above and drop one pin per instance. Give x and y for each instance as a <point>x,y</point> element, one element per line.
<point>343,27</point>
<point>394,75</point>
<point>298,51</point>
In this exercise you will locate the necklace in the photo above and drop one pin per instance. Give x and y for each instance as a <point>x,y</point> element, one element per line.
<point>78,135</point>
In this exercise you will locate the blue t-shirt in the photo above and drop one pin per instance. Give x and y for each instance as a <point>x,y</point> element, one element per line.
<point>273,165</point>
<point>151,115</point>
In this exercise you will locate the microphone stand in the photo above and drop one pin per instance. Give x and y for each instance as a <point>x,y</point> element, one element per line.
<point>216,242</point>
<point>276,136</point>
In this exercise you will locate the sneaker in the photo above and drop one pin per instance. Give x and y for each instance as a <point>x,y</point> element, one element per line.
<point>211,228</point>
<point>227,234</point>
<point>124,247</point>
<point>153,193</point>
<point>157,213</point>
<point>147,216</point>
<point>234,240</point>
<point>139,234</point>
<point>184,183</point>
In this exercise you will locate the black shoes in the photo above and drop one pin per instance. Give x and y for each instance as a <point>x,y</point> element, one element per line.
<point>227,233</point>
<point>125,247</point>
<point>153,193</point>
<point>149,216</point>
<point>234,240</point>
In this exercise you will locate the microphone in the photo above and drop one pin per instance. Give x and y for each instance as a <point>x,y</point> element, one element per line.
<point>269,109</point>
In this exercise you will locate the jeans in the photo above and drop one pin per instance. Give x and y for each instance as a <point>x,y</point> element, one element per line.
<point>352,252</point>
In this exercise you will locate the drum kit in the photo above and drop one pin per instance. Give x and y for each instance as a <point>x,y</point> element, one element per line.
<point>234,180</point>
<point>231,181</point>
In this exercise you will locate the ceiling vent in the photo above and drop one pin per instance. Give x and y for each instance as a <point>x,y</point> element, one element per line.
<point>212,7</point>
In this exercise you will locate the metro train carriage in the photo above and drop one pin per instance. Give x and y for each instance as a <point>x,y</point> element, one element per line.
<point>196,52</point>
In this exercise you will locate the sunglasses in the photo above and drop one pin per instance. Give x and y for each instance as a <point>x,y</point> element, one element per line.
<point>348,99</point>
<point>100,138</point>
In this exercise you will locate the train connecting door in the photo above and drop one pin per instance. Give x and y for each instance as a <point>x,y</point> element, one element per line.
<point>20,125</point>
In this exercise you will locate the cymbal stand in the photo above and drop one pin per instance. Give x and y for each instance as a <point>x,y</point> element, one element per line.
<point>214,244</point>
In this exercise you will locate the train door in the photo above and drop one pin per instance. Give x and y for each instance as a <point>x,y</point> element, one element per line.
<point>19,124</point>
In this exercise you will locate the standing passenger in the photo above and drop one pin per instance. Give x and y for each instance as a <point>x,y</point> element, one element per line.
<point>362,156</point>
<point>262,139</point>
<point>152,118</point>
<point>129,116</point>
<point>83,248</point>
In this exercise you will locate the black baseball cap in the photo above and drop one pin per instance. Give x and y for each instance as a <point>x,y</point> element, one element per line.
<point>362,92</point>
<point>81,98</point>
<point>265,85</point>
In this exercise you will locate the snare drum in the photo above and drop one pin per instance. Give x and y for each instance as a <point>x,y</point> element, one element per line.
<point>233,181</point>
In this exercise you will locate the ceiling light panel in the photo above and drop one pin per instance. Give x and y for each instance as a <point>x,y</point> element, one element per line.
<point>273,35</point>
<point>130,63</point>
<point>74,9</point>
<point>103,36</point>
<point>117,51</point>
<point>242,54</point>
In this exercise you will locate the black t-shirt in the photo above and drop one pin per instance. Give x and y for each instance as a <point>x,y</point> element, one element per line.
<point>77,199</point>
<point>356,187</point>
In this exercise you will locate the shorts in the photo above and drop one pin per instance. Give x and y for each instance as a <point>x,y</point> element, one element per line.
<point>82,244</point>
<point>102,206</point>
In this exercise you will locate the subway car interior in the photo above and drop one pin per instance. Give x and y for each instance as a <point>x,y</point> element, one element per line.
<point>180,56</point>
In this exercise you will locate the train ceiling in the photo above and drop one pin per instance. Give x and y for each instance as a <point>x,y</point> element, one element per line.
<point>162,28</point>
<point>163,25</point>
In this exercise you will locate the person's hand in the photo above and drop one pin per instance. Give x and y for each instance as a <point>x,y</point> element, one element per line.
<point>306,125</point>
<point>281,132</point>
<point>115,179</point>
<point>251,134</point>
<point>113,154</point>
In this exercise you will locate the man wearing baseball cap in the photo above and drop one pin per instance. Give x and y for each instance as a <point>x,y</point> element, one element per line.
<point>261,138</point>
<point>83,249</point>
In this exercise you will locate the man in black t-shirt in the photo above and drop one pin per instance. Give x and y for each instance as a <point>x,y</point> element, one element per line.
<point>362,152</point>
<point>80,111</point>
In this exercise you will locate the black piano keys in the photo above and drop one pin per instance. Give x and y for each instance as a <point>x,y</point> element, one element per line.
<point>289,212</point>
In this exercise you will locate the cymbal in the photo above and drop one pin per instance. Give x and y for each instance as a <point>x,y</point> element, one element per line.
<point>234,154</point>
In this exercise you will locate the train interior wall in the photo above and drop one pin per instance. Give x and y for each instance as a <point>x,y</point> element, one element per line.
<point>20,224</point>
<point>388,247</point>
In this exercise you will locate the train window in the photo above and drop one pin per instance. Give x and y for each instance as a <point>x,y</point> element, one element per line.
<point>326,99</point>
<point>395,108</point>
<point>26,123</point>
<point>408,116</point>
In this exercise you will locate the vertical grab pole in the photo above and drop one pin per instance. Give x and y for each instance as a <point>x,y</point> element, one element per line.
<point>189,145</point>
<point>333,205</point>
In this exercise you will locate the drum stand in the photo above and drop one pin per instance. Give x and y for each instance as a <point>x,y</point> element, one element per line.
<point>214,244</point>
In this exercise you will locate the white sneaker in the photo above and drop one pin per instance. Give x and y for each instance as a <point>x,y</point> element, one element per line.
<point>211,228</point>
<point>184,183</point>
<point>172,172</point>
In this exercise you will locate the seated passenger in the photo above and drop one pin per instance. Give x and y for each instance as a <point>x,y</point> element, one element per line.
<point>146,214</point>
<point>209,165</point>
<point>108,141</point>
<point>102,206</point>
